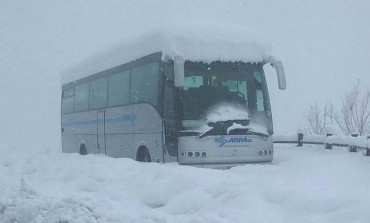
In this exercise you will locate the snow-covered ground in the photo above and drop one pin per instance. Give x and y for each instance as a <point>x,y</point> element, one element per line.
<point>302,185</point>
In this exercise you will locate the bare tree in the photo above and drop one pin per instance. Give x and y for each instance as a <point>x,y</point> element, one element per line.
<point>319,120</point>
<point>354,115</point>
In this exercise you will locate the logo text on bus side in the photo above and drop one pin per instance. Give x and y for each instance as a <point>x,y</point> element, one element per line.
<point>233,141</point>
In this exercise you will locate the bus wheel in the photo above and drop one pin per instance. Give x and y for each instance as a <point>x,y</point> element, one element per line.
<point>83,150</point>
<point>143,155</point>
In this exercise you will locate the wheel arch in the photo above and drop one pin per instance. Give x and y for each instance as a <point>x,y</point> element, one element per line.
<point>140,151</point>
<point>82,148</point>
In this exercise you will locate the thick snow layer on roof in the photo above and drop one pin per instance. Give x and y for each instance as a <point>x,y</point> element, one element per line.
<point>203,41</point>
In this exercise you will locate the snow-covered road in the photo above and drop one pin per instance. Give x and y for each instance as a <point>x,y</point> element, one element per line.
<point>302,185</point>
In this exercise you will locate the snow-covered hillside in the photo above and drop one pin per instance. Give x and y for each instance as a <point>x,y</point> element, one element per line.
<point>302,185</point>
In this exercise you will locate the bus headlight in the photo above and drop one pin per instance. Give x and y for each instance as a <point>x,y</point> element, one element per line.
<point>193,154</point>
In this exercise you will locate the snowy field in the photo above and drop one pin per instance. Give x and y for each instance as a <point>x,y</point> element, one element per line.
<point>302,185</point>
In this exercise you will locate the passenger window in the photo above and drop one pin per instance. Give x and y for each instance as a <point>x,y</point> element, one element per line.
<point>260,100</point>
<point>171,135</point>
<point>144,83</point>
<point>168,71</point>
<point>193,82</point>
<point>169,104</point>
<point>81,97</point>
<point>257,76</point>
<point>67,101</point>
<point>242,88</point>
<point>118,90</point>
<point>98,93</point>
<point>237,86</point>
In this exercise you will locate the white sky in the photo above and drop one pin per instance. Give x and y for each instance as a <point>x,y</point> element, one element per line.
<point>324,46</point>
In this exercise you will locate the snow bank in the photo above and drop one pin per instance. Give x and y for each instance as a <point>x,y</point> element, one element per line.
<point>195,41</point>
<point>360,141</point>
<point>302,185</point>
<point>285,137</point>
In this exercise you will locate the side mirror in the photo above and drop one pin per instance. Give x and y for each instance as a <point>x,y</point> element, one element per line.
<point>178,63</point>
<point>278,65</point>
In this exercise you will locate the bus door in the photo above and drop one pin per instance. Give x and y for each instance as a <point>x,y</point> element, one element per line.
<point>101,132</point>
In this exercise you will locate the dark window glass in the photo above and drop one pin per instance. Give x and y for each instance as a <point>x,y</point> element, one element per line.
<point>170,121</point>
<point>67,101</point>
<point>118,90</point>
<point>144,83</point>
<point>168,71</point>
<point>81,98</point>
<point>169,106</point>
<point>260,99</point>
<point>98,93</point>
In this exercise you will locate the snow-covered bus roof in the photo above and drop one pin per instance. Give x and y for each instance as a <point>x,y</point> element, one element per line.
<point>204,42</point>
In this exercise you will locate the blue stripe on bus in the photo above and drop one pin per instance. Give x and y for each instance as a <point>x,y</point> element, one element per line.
<point>124,118</point>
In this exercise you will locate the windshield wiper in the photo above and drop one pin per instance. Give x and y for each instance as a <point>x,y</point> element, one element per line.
<point>205,133</point>
<point>251,129</point>
<point>222,127</point>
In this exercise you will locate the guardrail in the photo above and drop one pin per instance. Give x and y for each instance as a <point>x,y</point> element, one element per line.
<point>354,142</point>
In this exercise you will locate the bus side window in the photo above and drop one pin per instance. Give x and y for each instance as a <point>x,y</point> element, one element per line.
<point>98,93</point>
<point>260,99</point>
<point>67,101</point>
<point>118,90</point>
<point>81,97</point>
<point>193,82</point>
<point>144,83</point>
<point>169,107</point>
<point>170,122</point>
<point>67,105</point>
<point>168,71</point>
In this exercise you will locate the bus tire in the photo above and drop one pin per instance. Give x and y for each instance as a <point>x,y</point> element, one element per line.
<point>143,155</point>
<point>83,150</point>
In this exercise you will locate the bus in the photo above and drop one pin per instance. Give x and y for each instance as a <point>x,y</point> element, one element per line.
<point>165,105</point>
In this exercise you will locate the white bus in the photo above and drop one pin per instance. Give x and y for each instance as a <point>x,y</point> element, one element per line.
<point>166,98</point>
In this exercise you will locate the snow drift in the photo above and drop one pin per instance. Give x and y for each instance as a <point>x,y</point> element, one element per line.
<point>302,185</point>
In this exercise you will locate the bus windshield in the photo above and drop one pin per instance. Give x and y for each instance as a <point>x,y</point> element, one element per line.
<point>208,86</point>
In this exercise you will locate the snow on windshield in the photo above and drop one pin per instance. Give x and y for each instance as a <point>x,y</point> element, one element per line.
<point>202,41</point>
<point>226,112</point>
